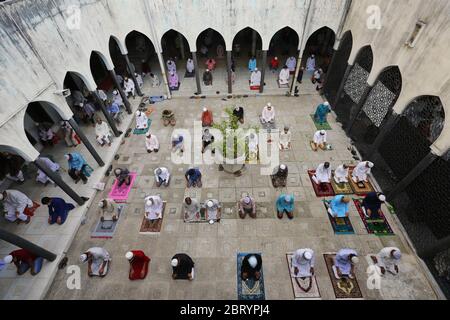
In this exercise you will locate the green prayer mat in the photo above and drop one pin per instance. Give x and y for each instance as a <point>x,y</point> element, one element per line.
<point>325,126</point>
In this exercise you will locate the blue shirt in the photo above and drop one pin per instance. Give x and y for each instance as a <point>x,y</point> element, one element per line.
<point>77,161</point>
<point>193,174</point>
<point>59,208</point>
<point>342,260</point>
<point>252,64</point>
<point>113,108</point>
<point>339,207</point>
<point>282,204</point>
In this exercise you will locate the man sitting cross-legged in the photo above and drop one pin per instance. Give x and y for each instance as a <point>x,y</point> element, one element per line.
<point>213,210</point>
<point>341,174</point>
<point>319,140</point>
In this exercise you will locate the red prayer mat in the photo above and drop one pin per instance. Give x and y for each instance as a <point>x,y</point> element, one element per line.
<point>328,188</point>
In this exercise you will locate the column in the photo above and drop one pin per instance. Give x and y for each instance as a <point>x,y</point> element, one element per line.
<point>197,73</point>
<point>263,71</point>
<point>108,117</point>
<point>254,43</point>
<point>164,75</point>
<point>86,142</point>
<point>131,71</point>
<point>122,93</point>
<point>391,122</point>
<point>59,181</point>
<point>230,84</point>
<point>297,71</point>
<point>25,244</point>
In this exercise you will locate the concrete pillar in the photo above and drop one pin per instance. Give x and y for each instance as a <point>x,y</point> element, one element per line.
<point>263,71</point>
<point>391,122</point>
<point>197,73</point>
<point>163,74</point>
<point>180,38</point>
<point>59,181</point>
<point>122,93</point>
<point>86,142</point>
<point>230,83</point>
<point>254,35</point>
<point>108,117</point>
<point>297,71</point>
<point>359,107</point>
<point>341,87</point>
<point>131,71</point>
<point>27,245</point>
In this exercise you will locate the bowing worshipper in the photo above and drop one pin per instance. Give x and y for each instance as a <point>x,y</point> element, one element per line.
<point>344,263</point>
<point>316,76</point>
<point>211,64</point>
<point>162,177</point>
<point>283,78</point>
<point>53,166</point>
<point>207,139</point>
<point>191,210</point>
<point>251,267</point>
<point>117,98</point>
<point>311,63</point>
<point>321,113</point>
<point>274,64</point>
<point>207,118</point>
<point>15,203</point>
<point>155,80</point>
<point>129,87</point>
<point>58,209</point>
<point>268,114</point>
<point>102,133</point>
<point>177,143</point>
<point>238,112</point>
<point>322,175</point>
<point>89,112</point>
<point>78,167</point>
<point>70,137</point>
<point>339,207</point>
<point>362,171</point>
<point>139,79</point>
<point>371,205</point>
<point>108,209</point>
<point>151,143</point>
<point>98,260</point>
<point>253,146</point>
<point>213,210</point>
<point>193,178</point>
<point>190,67</point>
<point>303,263</point>
<point>46,134</point>
<point>388,259</point>
<point>291,63</point>
<point>252,64</point>
<point>341,174</point>
<point>123,176</point>
<point>279,176</point>
<point>171,66</point>
<point>285,139</point>
<point>141,120</point>
<point>207,78</point>
<point>139,263</point>
<point>247,205</point>
<point>173,81</point>
<point>285,204</point>
<point>25,260</point>
<point>113,109</point>
<point>182,267</point>
<point>255,78</point>
<point>153,209</point>
<point>319,140</point>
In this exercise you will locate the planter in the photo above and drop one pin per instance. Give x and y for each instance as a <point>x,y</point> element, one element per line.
<point>232,168</point>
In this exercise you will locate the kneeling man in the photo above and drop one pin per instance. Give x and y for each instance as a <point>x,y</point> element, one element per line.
<point>98,260</point>
<point>251,267</point>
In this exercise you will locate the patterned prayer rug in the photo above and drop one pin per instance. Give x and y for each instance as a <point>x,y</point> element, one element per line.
<point>341,188</point>
<point>107,229</point>
<point>148,228</point>
<point>250,289</point>
<point>120,195</point>
<point>299,286</point>
<point>378,227</point>
<point>325,126</point>
<point>343,288</point>
<point>361,188</point>
<point>326,192</point>
<point>340,225</point>
<point>143,131</point>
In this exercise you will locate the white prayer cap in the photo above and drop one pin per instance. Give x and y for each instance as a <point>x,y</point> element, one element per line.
<point>370,164</point>
<point>355,260</point>
<point>256,69</point>
<point>174,262</point>
<point>210,204</point>
<point>115,92</point>
<point>397,254</point>
<point>8,259</point>
<point>287,198</point>
<point>312,55</point>
<point>211,221</point>
<point>149,202</point>
<point>326,103</point>
<point>252,261</point>
<point>83,257</point>
<point>129,255</point>
<point>67,156</point>
<point>101,204</point>
<point>118,171</point>
<point>138,113</point>
<point>148,134</point>
<point>382,197</point>
<point>269,104</point>
<point>323,132</point>
<point>247,200</point>
<point>307,255</point>
<point>176,136</point>
<point>276,58</point>
<point>283,167</point>
<point>205,109</point>
<point>207,70</point>
<point>1,196</point>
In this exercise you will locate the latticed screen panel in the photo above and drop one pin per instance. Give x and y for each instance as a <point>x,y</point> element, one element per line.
<point>356,83</point>
<point>378,103</point>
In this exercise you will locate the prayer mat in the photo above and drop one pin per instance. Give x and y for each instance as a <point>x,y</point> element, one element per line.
<point>107,228</point>
<point>30,211</point>
<point>143,131</point>
<point>340,225</point>
<point>341,188</point>
<point>148,228</point>
<point>378,227</point>
<point>189,75</point>
<point>326,192</point>
<point>201,218</point>
<point>361,188</point>
<point>254,88</point>
<point>325,126</point>
<point>120,195</point>
<point>343,288</point>
<point>299,286</point>
<point>283,86</point>
<point>250,289</point>
<point>155,99</point>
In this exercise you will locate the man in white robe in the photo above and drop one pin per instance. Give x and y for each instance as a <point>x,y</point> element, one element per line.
<point>283,78</point>
<point>139,79</point>
<point>15,203</point>
<point>117,98</point>
<point>388,259</point>
<point>190,66</point>
<point>42,177</point>
<point>155,80</point>
<point>98,260</point>
<point>141,120</point>
<point>268,114</point>
<point>129,87</point>
<point>255,78</point>
<point>361,172</point>
<point>291,63</point>
<point>151,143</point>
<point>191,210</point>
<point>319,140</point>
<point>102,133</point>
<point>285,139</point>
<point>213,210</point>
<point>323,174</point>
<point>162,176</point>
<point>153,208</point>
<point>311,63</point>
<point>341,174</point>
<point>303,263</point>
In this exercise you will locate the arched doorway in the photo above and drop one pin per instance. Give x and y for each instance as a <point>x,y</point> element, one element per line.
<point>120,64</point>
<point>355,86</point>
<point>337,68</point>
<point>142,54</point>
<point>100,72</point>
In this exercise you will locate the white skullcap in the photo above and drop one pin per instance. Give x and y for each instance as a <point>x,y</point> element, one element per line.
<point>307,255</point>
<point>67,156</point>
<point>283,167</point>
<point>83,257</point>
<point>326,103</point>
<point>1,196</point>
<point>288,198</point>
<point>148,134</point>
<point>174,262</point>
<point>247,200</point>
<point>370,164</point>
<point>276,58</point>
<point>205,109</point>
<point>101,204</point>
<point>323,132</point>
<point>138,113</point>
<point>149,202</point>
<point>176,136</point>
<point>8,259</point>
<point>207,69</point>
<point>129,255</point>
<point>211,221</point>
<point>210,204</point>
<point>312,55</point>
<point>269,104</point>
<point>117,171</point>
<point>256,69</point>
<point>115,92</point>
<point>397,254</point>
<point>382,197</point>
<point>252,261</point>
<point>355,260</point>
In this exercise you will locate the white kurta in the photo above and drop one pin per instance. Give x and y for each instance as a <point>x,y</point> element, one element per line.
<point>253,144</point>
<point>139,80</point>
<point>102,132</point>
<point>165,174</point>
<point>16,201</point>
<point>154,211</point>
<point>129,86</point>
<point>284,76</point>
<point>155,81</point>
<point>268,116</point>
<point>42,177</point>
<point>386,260</point>
<point>141,120</point>
<point>341,174</point>
<point>255,78</point>
<point>311,64</point>
<point>361,172</point>
<point>152,143</point>
<point>320,139</point>
<point>291,63</point>
<point>323,175</point>
<point>285,139</point>
<point>304,266</point>
<point>118,99</point>
<point>190,66</point>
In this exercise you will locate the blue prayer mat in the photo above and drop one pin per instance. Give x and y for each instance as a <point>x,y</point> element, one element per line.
<point>340,225</point>
<point>250,289</point>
